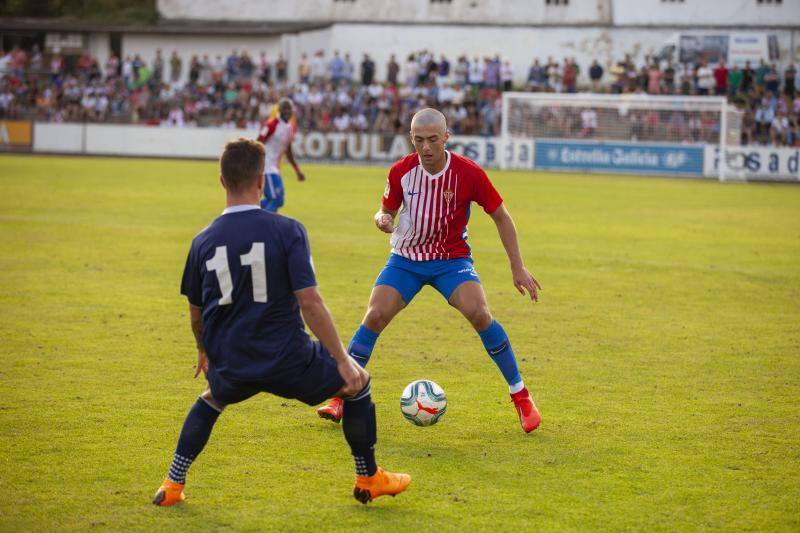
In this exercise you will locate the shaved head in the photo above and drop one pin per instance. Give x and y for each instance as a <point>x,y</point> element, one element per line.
<point>429,117</point>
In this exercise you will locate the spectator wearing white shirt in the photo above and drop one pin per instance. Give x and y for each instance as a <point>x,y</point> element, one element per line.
<point>476,72</point>
<point>506,75</point>
<point>341,122</point>
<point>705,79</point>
<point>588,122</point>
<point>375,89</point>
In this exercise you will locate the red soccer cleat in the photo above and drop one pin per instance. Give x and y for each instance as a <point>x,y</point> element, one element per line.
<point>332,411</point>
<point>529,416</point>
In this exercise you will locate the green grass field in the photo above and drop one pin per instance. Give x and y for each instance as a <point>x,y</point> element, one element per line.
<point>664,355</point>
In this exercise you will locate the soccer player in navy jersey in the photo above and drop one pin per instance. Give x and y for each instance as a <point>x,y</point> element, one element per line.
<point>248,278</point>
<point>429,247</point>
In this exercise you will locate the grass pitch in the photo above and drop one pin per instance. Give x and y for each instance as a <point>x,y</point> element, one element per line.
<point>664,356</point>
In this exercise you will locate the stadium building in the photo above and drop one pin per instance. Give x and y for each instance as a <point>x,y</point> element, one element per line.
<point>519,30</point>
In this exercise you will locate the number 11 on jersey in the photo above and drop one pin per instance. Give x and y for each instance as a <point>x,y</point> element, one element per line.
<point>255,259</point>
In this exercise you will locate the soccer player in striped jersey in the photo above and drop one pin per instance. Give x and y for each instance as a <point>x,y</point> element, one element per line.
<point>432,189</point>
<point>277,134</point>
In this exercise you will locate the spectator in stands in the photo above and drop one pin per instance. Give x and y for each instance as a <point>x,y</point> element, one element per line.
<point>477,68</point>
<point>588,122</point>
<point>748,77</point>
<point>789,76</point>
<point>536,76</point>
<point>734,81</point>
<point>443,73</point>
<point>158,66</point>
<point>175,67</point>
<point>763,117</point>
<point>304,69</point>
<point>392,70</point>
<point>705,79</point>
<point>461,71</point>
<point>367,70</point>
<point>721,79</point>
<point>779,131</point>
<point>570,76</point>
<point>281,70</point>
<point>506,75</point>
<point>761,73</point>
<point>410,70</point>
<point>319,68</point>
<point>595,75</point>
<point>264,68</point>
<point>654,78</point>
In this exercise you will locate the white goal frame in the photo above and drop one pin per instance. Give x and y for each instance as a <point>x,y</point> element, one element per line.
<point>629,102</point>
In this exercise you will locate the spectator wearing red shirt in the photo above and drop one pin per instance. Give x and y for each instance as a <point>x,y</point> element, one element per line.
<point>721,79</point>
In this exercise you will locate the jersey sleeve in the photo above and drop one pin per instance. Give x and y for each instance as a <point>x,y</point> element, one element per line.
<point>192,283</point>
<point>267,129</point>
<point>299,262</point>
<point>393,194</point>
<point>485,194</point>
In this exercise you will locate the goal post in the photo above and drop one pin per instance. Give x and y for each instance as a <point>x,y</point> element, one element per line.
<point>636,133</point>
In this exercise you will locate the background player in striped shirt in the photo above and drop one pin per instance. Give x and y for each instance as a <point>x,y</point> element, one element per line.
<point>435,188</point>
<point>277,134</point>
<point>248,278</point>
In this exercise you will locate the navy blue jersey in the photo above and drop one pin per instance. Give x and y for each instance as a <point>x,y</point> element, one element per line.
<point>242,271</point>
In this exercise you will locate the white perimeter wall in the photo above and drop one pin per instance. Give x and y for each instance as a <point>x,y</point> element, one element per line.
<point>745,162</point>
<point>419,11</point>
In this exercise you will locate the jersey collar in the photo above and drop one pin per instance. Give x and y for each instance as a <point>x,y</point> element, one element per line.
<point>444,169</point>
<point>239,208</point>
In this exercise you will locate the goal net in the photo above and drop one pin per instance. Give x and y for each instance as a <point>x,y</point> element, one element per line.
<point>617,133</point>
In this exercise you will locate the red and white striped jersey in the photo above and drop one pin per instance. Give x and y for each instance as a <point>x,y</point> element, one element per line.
<point>277,136</point>
<point>433,221</point>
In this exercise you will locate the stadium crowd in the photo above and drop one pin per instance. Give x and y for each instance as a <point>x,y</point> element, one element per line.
<point>340,93</point>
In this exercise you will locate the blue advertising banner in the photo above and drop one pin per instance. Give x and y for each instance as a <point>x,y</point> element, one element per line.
<point>620,157</point>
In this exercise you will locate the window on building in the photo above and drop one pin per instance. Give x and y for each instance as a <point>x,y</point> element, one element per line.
<point>672,1</point>
<point>557,2</point>
<point>762,2</point>
<point>441,1</point>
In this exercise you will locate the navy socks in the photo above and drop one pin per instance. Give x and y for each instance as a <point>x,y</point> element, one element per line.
<point>194,436</point>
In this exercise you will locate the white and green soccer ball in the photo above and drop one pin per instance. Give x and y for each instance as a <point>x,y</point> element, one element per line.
<point>423,402</point>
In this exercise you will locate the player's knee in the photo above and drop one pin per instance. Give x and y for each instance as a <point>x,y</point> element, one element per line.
<point>209,399</point>
<point>377,319</point>
<point>480,317</point>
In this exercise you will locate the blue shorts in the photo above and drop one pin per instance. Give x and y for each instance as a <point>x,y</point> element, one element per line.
<point>408,276</point>
<point>312,382</point>
<point>273,192</point>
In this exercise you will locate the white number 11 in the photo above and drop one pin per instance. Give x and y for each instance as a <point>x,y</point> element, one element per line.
<point>255,259</point>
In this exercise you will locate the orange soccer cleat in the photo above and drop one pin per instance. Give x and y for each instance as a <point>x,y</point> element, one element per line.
<point>332,411</point>
<point>169,493</point>
<point>381,483</point>
<point>529,415</point>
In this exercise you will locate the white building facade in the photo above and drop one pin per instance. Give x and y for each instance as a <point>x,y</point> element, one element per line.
<point>516,30</point>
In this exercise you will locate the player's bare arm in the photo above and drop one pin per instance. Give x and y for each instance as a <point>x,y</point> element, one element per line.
<point>320,322</point>
<point>522,278</point>
<point>295,166</point>
<point>196,319</point>
<point>384,219</point>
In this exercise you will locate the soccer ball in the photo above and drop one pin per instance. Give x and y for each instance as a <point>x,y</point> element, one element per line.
<point>423,402</point>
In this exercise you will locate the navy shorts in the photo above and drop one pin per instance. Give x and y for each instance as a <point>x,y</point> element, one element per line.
<point>408,276</point>
<point>312,383</point>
